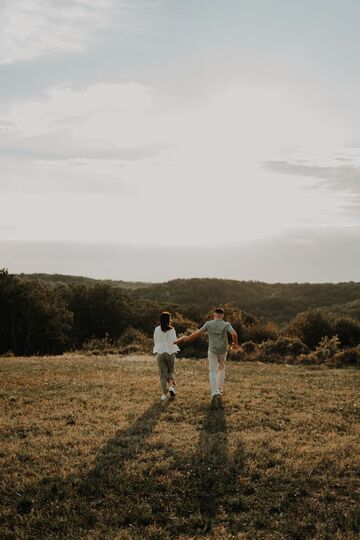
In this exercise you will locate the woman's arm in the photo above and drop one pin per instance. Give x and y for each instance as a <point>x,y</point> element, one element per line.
<point>156,336</point>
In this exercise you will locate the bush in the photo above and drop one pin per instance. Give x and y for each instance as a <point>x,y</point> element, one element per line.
<point>284,346</point>
<point>249,347</point>
<point>133,348</point>
<point>194,349</point>
<point>135,340</point>
<point>182,324</point>
<point>348,331</point>
<point>95,344</point>
<point>347,357</point>
<point>326,350</point>
<point>259,332</point>
<point>245,352</point>
<point>310,327</point>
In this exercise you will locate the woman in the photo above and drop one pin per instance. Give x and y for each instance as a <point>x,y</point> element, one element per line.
<point>165,349</point>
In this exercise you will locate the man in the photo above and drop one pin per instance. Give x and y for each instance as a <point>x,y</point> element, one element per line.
<point>218,331</point>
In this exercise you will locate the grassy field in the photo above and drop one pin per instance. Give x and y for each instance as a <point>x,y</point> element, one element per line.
<point>88,451</point>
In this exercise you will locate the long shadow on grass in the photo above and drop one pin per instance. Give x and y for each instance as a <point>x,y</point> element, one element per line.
<point>107,469</point>
<point>125,488</point>
<point>211,485</point>
<point>73,505</point>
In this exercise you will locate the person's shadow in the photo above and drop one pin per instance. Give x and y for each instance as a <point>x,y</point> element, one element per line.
<point>74,503</point>
<point>211,486</point>
<point>113,492</point>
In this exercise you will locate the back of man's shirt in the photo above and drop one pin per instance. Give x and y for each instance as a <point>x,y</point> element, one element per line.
<point>218,330</point>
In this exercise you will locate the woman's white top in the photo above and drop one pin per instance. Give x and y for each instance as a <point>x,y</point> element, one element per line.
<point>164,341</point>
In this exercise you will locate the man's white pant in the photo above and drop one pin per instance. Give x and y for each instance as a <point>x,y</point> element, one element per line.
<point>216,371</point>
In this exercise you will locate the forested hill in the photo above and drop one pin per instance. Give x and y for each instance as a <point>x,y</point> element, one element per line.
<point>276,301</point>
<point>59,279</point>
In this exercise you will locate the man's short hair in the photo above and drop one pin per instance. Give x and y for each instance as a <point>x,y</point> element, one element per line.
<point>219,310</point>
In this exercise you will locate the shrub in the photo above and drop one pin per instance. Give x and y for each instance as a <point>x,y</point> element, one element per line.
<point>132,348</point>
<point>310,327</point>
<point>348,331</point>
<point>249,347</point>
<point>195,349</point>
<point>236,356</point>
<point>326,350</point>
<point>136,340</point>
<point>284,346</point>
<point>347,357</point>
<point>96,344</point>
<point>259,332</point>
<point>182,324</point>
<point>131,341</point>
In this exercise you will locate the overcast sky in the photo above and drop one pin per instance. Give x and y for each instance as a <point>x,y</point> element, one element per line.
<point>150,140</point>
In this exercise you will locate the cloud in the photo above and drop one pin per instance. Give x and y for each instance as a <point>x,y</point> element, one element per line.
<point>300,255</point>
<point>35,182</point>
<point>62,146</point>
<point>339,178</point>
<point>36,28</point>
<point>101,121</point>
<point>68,107</point>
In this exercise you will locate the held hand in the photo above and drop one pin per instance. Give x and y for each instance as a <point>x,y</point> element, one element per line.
<point>235,348</point>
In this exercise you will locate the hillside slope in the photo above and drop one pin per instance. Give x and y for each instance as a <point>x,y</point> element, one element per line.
<point>82,280</point>
<point>276,301</point>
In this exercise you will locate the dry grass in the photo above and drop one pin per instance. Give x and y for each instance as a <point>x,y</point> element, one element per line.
<point>88,451</point>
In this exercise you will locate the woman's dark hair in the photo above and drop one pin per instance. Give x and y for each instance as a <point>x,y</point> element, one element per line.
<point>165,321</point>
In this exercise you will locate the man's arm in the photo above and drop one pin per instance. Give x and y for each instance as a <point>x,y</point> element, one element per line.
<point>234,340</point>
<point>186,339</point>
<point>234,336</point>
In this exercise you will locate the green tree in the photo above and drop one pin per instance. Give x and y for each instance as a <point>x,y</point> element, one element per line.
<point>34,318</point>
<point>98,310</point>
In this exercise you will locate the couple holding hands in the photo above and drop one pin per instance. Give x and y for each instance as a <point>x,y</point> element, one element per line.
<point>166,346</point>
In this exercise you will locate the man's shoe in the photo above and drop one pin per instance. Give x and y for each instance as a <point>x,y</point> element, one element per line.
<point>163,397</point>
<point>172,391</point>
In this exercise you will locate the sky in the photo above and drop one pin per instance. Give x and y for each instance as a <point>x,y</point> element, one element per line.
<point>158,139</point>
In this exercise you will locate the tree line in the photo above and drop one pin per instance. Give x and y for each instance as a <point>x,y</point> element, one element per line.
<point>39,316</point>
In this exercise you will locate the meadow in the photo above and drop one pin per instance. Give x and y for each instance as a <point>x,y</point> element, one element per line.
<point>88,451</point>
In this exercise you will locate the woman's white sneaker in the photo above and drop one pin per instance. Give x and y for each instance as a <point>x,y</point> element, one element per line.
<point>163,397</point>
